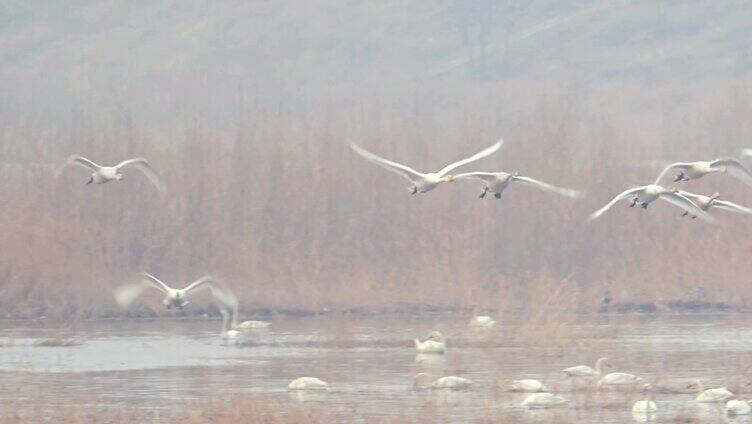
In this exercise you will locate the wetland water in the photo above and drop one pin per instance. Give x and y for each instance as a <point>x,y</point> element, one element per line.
<point>369,364</point>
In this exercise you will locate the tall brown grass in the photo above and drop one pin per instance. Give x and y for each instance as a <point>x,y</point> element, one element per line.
<point>278,206</point>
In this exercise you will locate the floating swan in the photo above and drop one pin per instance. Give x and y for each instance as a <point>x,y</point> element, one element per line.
<point>707,202</point>
<point>497,182</point>
<point>482,322</point>
<point>529,386</point>
<point>308,383</point>
<point>619,379</point>
<point>246,325</point>
<point>646,406</point>
<point>695,170</point>
<point>647,194</point>
<point>173,297</point>
<point>228,334</point>
<point>423,381</point>
<point>712,395</point>
<point>737,407</point>
<point>105,174</point>
<point>586,371</point>
<point>424,182</point>
<point>435,343</point>
<point>543,400</point>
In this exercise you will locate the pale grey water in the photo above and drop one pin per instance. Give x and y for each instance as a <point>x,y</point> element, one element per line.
<point>369,362</point>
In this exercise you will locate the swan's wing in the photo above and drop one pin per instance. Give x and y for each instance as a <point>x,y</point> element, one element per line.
<point>483,176</point>
<point>574,194</point>
<point>685,203</point>
<point>403,170</point>
<point>747,152</point>
<point>225,296</point>
<point>668,168</point>
<point>480,155</point>
<point>143,165</point>
<point>736,169</point>
<point>622,195</point>
<point>732,207</point>
<point>127,293</point>
<point>82,161</point>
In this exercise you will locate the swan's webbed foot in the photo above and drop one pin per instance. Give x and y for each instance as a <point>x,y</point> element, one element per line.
<point>680,177</point>
<point>91,180</point>
<point>634,202</point>
<point>644,205</point>
<point>482,195</point>
<point>414,190</point>
<point>694,216</point>
<point>685,213</point>
<point>497,195</point>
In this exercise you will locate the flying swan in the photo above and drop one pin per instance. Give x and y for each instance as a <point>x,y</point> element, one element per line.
<point>104,174</point>
<point>695,170</point>
<point>424,182</point>
<point>707,202</point>
<point>174,298</point>
<point>647,194</point>
<point>497,182</point>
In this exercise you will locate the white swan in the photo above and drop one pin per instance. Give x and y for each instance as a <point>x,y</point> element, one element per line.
<point>423,381</point>
<point>586,371</point>
<point>482,322</point>
<point>694,170</point>
<point>435,343</point>
<point>707,202</point>
<point>674,386</point>
<point>424,182</point>
<point>528,385</point>
<point>127,293</point>
<point>497,182</point>
<point>619,379</point>
<point>543,400</point>
<point>646,406</point>
<point>246,325</point>
<point>712,395</point>
<point>228,334</point>
<point>645,195</point>
<point>105,174</point>
<point>736,407</point>
<point>308,383</point>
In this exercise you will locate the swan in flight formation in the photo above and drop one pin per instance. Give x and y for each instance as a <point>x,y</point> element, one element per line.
<point>707,202</point>
<point>497,182</point>
<point>647,194</point>
<point>424,182</point>
<point>695,170</point>
<point>174,298</point>
<point>104,174</point>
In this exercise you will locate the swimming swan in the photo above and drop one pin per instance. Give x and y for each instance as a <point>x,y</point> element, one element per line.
<point>647,194</point>
<point>707,202</point>
<point>424,182</point>
<point>646,407</point>
<point>497,182</point>
<point>308,383</point>
<point>228,334</point>
<point>543,400</point>
<point>126,294</point>
<point>737,407</point>
<point>528,386</point>
<point>712,395</point>
<point>483,322</point>
<point>586,371</point>
<point>695,170</point>
<point>619,379</point>
<point>423,381</point>
<point>105,174</point>
<point>435,343</point>
<point>246,325</point>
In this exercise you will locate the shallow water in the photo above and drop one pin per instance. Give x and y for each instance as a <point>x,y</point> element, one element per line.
<point>369,362</point>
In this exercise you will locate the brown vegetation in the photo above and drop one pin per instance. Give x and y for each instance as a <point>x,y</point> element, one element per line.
<point>290,218</point>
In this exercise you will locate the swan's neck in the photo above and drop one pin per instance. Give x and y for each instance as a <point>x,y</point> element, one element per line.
<point>235,315</point>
